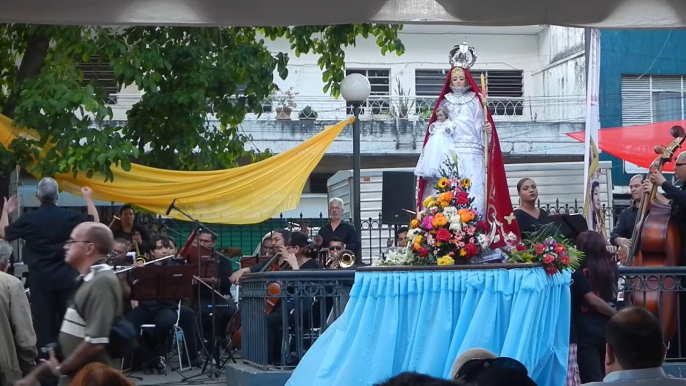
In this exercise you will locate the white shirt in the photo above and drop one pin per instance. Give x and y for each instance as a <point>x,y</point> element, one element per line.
<point>643,377</point>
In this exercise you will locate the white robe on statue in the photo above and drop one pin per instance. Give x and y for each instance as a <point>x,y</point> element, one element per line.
<point>465,110</point>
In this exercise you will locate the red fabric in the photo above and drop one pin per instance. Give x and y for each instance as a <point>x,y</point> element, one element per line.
<point>498,192</point>
<point>635,143</point>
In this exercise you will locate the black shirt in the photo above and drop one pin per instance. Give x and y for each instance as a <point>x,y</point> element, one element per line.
<point>45,231</point>
<point>528,223</point>
<point>309,264</point>
<point>625,225</point>
<point>584,319</point>
<point>678,197</point>
<point>225,270</point>
<point>345,232</point>
<point>119,233</point>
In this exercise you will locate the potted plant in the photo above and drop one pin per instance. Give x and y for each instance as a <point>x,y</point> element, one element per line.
<point>307,114</point>
<point>284,103</point>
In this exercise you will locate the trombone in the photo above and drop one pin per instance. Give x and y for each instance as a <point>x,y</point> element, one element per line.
<point>342,259</point>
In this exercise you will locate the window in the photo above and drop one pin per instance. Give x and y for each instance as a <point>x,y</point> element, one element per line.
<point>505,89</point>
<point>380,80</point>
<point>102,76</point>
<point>652,99</point>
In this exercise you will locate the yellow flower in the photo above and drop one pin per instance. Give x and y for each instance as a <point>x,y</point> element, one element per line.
<point>466,182</point>
<point>414,223</point>
<point>417,247</point>
<point>463,253</point>
<point>442,183</point>
<point>428,201</point>
<point>445,260</point>
<point>418,239</point>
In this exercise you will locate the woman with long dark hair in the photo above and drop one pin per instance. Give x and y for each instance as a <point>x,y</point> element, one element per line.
<point>594,286</point>
<point>529,217</point>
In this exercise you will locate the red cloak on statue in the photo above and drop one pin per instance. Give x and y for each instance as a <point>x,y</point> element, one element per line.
<point>498,204</point>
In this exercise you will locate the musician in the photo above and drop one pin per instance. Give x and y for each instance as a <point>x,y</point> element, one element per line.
<point>203,304</point>
<point>279,238</point>
<point>295,256</point>
<point>338,228</point>
<point>529,217</point>
<point>124,228</point>
<point>45,231</point>
<point>163,314</point>
<point>121,248</point>
<point>677,195</point>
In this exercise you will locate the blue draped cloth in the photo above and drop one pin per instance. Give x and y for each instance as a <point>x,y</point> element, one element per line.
<point>422,320</point>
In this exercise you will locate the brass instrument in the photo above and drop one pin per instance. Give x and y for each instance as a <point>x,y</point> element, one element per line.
<point>342,259</point>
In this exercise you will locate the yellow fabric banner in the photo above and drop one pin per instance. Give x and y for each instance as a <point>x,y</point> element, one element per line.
<point>245,195</point>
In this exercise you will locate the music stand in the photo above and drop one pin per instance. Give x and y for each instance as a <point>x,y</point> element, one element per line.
<point>570,226</point>
<point>173,282</point>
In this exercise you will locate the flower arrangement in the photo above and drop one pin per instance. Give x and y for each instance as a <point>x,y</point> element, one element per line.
<point>447,230</point>
<point>555,252</point>
<point>284,99</point>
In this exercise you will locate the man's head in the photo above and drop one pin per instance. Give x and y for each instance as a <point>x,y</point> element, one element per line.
<point>266,247</point>
<point>47,190</point>
<point>335,245</point>
<point>335,209</point>
<point>127,215</point>
<point>636,187</point>
<point>634,341</point>
<point>680,167</point>
<point>402,236</point>
<point>88,243</point>
<point>121,248</point>
<point>207,239</point>
<point>5,254</point>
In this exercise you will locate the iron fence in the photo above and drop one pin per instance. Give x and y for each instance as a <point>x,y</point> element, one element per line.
<point>662,291</point>
<point>300,305</point>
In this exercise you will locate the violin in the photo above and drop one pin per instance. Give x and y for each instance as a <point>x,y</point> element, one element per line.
<point>656,242</point>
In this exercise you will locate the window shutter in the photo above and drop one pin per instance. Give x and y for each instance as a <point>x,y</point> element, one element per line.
<point>636,100</point>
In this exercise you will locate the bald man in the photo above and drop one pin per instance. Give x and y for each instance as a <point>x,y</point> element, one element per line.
<point>97,302</point>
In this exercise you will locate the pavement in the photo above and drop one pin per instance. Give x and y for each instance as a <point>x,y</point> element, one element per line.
<point>188,377</point>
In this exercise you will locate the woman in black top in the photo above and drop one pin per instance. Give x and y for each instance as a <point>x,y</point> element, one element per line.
<point>594,286</point>
<point>529,218</point>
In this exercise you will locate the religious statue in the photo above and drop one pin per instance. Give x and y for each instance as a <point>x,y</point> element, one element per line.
<point>473,140</point>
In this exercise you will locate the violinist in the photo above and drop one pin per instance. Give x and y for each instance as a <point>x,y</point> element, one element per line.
<point>279,238</point>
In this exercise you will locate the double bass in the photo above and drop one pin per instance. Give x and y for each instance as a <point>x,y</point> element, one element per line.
<point>656,242</point>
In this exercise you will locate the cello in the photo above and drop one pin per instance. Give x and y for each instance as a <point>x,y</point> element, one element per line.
<point>656,242</point>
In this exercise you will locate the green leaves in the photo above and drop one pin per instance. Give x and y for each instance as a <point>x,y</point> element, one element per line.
<point>197,85</point>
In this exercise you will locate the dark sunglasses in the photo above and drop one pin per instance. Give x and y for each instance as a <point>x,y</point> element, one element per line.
<point>335,248</point>
<point>473,367</point>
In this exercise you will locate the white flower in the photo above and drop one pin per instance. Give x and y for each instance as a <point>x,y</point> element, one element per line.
<point>412,233</point>
<point>455,223</point>
<point>449,211</point>
<point>510,238</point>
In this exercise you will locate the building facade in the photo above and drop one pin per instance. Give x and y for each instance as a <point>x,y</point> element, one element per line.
<point>642,81</point>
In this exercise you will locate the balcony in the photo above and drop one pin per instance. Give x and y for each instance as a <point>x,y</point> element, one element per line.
<point>407,108</point>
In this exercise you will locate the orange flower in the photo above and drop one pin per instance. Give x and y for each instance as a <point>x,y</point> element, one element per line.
<point>414,223</point>
<point>445,197</point>
<point>439,220</point>
<point>465,215</point>
<point>417,247</point>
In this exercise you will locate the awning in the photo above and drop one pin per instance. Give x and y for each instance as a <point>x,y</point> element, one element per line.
<point>635,143</point>
<point>649,14</point>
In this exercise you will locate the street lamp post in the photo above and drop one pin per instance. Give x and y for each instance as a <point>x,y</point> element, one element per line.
<point>355,89</point>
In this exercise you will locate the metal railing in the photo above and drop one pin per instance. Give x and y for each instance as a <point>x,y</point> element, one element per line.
<point>302,308</point>
<point>662,291</point>
<point>390,107</point>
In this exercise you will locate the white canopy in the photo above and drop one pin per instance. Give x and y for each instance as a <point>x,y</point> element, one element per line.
<point>577,13</point>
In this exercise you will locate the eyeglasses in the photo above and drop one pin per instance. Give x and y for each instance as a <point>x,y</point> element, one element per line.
<point>335,248</point>
<point>473,367</point>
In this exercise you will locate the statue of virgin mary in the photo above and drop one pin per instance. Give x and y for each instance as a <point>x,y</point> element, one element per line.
<point>463,102</point>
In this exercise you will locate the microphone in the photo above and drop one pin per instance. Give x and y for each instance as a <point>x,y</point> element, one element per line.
<point>171,206</point>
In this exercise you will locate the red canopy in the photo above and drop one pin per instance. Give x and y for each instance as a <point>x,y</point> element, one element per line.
<point>635,143</point>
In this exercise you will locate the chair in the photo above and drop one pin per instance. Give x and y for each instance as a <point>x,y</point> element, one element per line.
<point>178,340</point>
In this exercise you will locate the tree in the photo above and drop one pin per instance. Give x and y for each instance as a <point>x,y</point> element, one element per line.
<point>186,74</point>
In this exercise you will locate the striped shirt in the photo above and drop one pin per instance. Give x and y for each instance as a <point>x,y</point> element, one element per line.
<point>97,302</point>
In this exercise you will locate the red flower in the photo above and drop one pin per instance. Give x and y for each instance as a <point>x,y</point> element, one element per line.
<point>559,248</point>
<point>548,258</point>
<point>443,235</point>
<point>483,225</point>
<point>462,198</point>
<point>520,247</point>
<point>550,269</point>
<point>539,248</point>
<point>565,260</point>
<point>423,252</point>
<point>471,250</point>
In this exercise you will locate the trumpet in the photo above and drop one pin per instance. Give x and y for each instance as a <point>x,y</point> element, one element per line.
<point>342,259</point>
